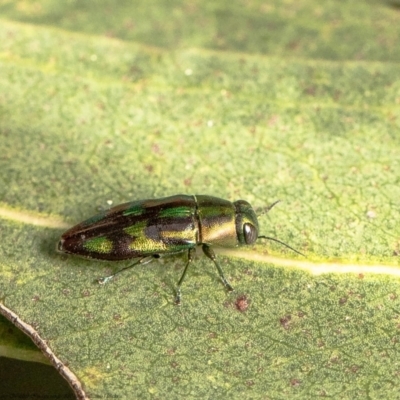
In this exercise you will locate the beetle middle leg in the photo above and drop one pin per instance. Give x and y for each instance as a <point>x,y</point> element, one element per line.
<point>209,252</point>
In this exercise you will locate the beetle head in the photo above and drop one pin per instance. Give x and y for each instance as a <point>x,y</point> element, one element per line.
<point>246,222</point>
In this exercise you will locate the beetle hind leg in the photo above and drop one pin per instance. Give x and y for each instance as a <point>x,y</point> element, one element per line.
<point>178,287</point>
<point>209,252</point>
<point>143,260</point>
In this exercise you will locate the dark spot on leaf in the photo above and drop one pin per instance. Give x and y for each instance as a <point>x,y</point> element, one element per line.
<point>242,303</point>
<point>337,95</point>
<point>88,315</point>
<point>285,321</point>
<point>334,360</point>
<point>293,45</point>
<point>310,90</point>
<point>295,382</point>
<point>156,148</point>
<point>354,369</point>
<point>342,300</point>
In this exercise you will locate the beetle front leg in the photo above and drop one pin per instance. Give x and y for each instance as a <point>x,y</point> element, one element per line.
<point>209,252</point>
<point>178,288</point>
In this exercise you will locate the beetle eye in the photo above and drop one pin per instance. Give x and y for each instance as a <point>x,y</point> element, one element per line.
<point>250,233</point>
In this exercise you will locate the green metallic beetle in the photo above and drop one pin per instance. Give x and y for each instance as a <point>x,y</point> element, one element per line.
<point>148,229</point>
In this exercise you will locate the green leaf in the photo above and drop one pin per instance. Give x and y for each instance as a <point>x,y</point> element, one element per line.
<point>295,101</point>
<point>14,344</point>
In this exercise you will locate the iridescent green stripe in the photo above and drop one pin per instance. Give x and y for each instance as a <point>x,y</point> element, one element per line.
<point>137,230</point>
<point>183,235</point>
<point>149,246</point>
<point>135,210</point>
<point>177,212</point>
<point>99,245</point>
<point>216,212</point>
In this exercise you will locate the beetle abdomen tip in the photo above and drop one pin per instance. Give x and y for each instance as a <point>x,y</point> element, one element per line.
<point>60,246</point>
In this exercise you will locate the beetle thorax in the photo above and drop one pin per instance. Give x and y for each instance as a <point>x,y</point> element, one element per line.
<point>217,222</point>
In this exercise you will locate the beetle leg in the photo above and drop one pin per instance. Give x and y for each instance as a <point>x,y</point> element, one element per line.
<point>143,260</point>
<point>209,252</point>
<point>178,288</point>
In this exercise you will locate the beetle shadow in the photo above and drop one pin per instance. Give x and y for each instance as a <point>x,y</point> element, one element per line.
<point>48,243</point>
<point>394,4</point>
<point>201,266</point>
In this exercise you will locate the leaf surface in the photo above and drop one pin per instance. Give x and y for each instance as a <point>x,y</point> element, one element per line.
<point>295,101</point>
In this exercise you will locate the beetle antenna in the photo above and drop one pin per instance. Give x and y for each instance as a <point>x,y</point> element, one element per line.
<point>278,241</point>
<point>264,210</point>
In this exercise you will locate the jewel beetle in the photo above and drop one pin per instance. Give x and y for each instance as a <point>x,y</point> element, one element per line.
<point>148,229</point>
